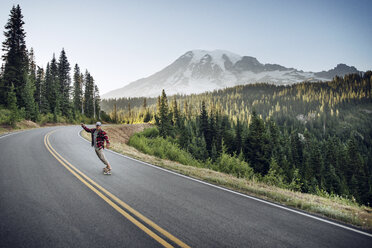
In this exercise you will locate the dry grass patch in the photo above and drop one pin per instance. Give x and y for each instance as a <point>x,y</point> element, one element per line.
<point>21,125</point>
<point>122,133</point>
<point>336,208</point>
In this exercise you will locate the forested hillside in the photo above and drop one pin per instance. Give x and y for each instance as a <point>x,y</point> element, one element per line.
<point>30,92</point>
<point>312,137</point>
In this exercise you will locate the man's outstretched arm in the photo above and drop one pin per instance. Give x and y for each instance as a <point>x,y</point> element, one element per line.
<point>85,128</point>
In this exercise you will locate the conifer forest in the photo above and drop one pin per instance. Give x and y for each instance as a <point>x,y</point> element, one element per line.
<point>312,137</point>
<point>28,91</point>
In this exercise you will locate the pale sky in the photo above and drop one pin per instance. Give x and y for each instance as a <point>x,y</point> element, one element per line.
<point>122,41</point>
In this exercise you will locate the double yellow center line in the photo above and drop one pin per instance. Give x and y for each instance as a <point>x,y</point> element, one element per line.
<point>115,202</point>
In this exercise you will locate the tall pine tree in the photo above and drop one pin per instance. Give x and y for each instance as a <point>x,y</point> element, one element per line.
<point>97,101</point>
<point>64,81</point>
<point>78,89</point>
<point>88,95</point>
<point>15,57</point>
<point>53,87</point>
<point>29,101</point>
<point>163,120</point>
<point>38,85</point>
<point>256,146</point>
<point>12,104</point>
<point>28,92</point>
<point>45,90</point>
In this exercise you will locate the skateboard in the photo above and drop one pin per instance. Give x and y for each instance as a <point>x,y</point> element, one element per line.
<point>105,172</point>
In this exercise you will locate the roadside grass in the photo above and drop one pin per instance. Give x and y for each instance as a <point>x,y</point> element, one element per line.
<point>26,125</point>
<point>3,130</point>
<point>21,125</point>
<point>334,207</point>
<point>163,149</point>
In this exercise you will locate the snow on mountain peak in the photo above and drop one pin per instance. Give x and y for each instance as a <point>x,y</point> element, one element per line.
<point>217,57</point>
<point>198,71</point>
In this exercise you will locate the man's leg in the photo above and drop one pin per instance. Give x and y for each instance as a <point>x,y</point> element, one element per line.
<point>102,157</point>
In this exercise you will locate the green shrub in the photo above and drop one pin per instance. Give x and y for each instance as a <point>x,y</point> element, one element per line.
<point>295,184</point>
<point>160,147</point>
<point>150,132</point>
<point>233,165</point>
<point>151,143</point>
<point>275,175</point>
<point>62,119</point>
<point>46,118</point>
<point>5,115</point>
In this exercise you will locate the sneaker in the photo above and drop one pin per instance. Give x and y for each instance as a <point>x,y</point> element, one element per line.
<point>107,172</point>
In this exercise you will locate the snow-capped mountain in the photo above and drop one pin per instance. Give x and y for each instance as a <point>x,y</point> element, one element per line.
<point>198,71</point>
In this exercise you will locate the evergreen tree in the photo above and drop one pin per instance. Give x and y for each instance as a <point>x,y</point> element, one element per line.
<point>186,110</point>
<point>358,183</point>
<point>32,66</point>
<point>353,159</point>
<point>15,56</point>
<point>144,103</point>
<point>82,87</point>
<point>295,184</point>
<point>12,104</point>
<point>38,85</point>
<point>204,127</point>
<point>255,146</point>
<point>88,95</point>
<point>146,116</point>
<point>275,174</point>
<point>45,90</point>
<point>64,82</point>
<point>53,86</point>
<point>198,148</point>
<point>228,136</point>
<point>296,158</point>
<point>332,180</point>
<point>29,101</point>
<point>162,117</point>
<point>28,92</point>
<point>213,135</point>
<point>274,139</point>
<point>238,136</point>
<point>130,112</point>
<point>176,115</point>
<point>97,101</point>
<point>314,171</point>
<point>78,89</point>
<point>115,115</point>
<point>1,73</point>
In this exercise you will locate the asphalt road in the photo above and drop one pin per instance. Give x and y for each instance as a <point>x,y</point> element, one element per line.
<point>53,194</point>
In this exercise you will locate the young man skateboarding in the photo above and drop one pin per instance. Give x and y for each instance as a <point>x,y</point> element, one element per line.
<point>98,140</point>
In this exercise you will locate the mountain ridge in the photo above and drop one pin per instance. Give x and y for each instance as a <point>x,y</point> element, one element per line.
<point>198,71</point>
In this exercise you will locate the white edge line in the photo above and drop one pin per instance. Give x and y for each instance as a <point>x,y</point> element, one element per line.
<point>16,132</point>
<point>22,131</point>
<point>241,194</point>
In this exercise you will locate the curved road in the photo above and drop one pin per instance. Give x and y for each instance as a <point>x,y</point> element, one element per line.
<point>53,194</point>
